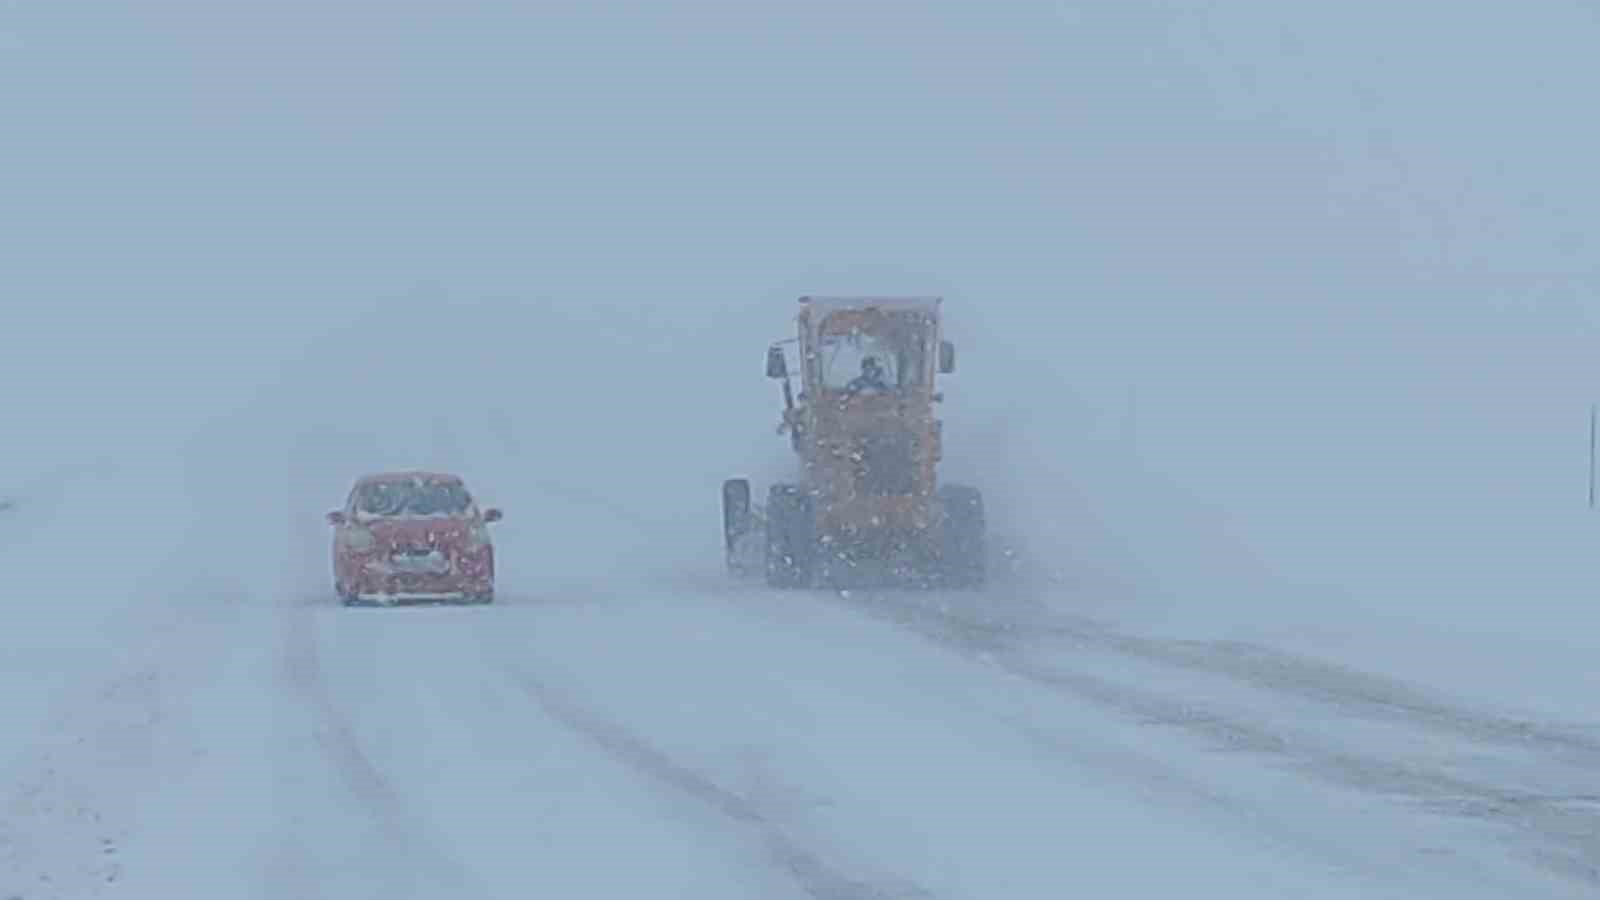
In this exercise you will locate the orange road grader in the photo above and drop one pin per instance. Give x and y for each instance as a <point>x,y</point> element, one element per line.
<point>866,505</point>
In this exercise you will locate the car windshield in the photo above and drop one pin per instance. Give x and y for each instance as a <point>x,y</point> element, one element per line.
<point>415,497</point>
<point>859,360</point>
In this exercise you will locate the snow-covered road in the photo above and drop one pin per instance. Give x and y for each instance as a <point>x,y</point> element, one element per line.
<point>706,739</point>
<point>1276,327</point>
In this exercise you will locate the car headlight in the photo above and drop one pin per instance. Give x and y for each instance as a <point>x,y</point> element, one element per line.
<point>478,537</point>
<point>358,539</point>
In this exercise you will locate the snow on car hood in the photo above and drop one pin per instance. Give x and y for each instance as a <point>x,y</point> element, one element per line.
<point>417,531</point>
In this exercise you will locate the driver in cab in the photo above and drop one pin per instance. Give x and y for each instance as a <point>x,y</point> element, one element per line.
<point>870,381</point>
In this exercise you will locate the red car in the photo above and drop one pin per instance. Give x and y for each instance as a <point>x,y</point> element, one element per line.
<point>412,537</point>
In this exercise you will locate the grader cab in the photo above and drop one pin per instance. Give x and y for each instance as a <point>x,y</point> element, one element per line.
<point>866,504</point>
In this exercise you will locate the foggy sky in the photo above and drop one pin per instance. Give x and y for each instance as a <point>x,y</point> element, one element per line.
<point>1244,288</point>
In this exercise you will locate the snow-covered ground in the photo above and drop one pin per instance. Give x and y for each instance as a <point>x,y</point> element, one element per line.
<point>177,730</point>
<point>1276,330</point>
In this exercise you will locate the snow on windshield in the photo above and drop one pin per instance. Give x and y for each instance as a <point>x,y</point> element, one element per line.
<point>412,498</point>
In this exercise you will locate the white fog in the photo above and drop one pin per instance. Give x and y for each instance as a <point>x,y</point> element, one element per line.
<point>1275,331</point>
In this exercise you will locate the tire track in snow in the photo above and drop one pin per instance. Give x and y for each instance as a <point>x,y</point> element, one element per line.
<point>423,871</point>
<point>1567,825</point>
<point>815,876</point>
<point>1346,689</point>
<point>1560,820</point>
<point>1340,687</point>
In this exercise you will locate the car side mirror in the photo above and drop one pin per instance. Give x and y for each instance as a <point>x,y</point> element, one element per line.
<point>493,515</point>
<point>947,357</point>
<point>777,365</point>
<point>336,518</point>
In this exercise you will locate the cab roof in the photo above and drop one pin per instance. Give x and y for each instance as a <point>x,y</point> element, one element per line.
<point>409,475</point>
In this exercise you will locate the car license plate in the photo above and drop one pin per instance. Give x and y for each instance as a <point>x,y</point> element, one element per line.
<point>422,563</point>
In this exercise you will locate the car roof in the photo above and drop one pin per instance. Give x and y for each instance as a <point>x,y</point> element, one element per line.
<point>832,304</point>
<point>408,475</point>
